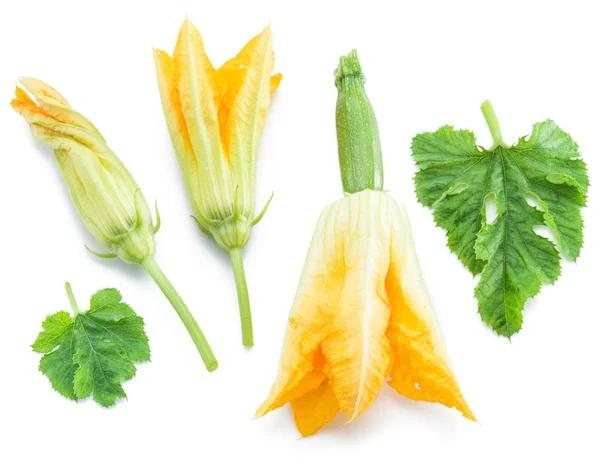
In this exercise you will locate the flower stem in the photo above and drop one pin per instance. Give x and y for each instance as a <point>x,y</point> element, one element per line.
<point>182,310</point>
<point>243,299</point>
<point>492,121</point>
<point>72,300</point>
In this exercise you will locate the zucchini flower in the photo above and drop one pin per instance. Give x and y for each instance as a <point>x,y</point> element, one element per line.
<point>107,198</point>
<point>362,313</point>
<point>215,118</point>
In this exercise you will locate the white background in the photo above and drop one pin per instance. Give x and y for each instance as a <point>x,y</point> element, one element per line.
<point>427,64</point>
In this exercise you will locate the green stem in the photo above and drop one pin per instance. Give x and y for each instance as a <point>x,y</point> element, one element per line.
<point>492,121</point>
<point>359,149</point>
<point>243,299</point>
<point>72,300</point>
<point>182,310</point>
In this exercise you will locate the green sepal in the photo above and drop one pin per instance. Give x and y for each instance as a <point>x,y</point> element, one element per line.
<point>157,224</point>
<point>263,211</point>
<point>99,254</point>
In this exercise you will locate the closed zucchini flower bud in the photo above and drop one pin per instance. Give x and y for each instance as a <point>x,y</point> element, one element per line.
<point>362,314</point>
<point>215,118</point>
<point>109,201</point>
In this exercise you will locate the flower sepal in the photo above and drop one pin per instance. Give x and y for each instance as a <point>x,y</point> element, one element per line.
<point>230,232</point>
<point>136,243</point>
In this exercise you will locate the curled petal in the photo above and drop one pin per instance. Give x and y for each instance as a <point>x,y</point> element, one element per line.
<point>315,409</point>
<point>50,102</point>
<point>275,81</point>
<point>302,365</point>
<point>421,369</point>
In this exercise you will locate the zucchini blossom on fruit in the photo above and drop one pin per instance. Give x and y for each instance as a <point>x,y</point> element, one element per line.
<point>215,118</point>
<point>107,198</point>
<point>362,313</point>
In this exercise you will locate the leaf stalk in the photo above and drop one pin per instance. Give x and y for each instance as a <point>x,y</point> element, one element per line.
<point>492,121</point>
<point>72,300</point>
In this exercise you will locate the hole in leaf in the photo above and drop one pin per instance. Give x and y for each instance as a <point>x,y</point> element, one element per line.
<point>555,179</point>
<point>541,230</point>
<point>491,211</point>
<point>533,202</point>
<point>544,231</point>
<point>417,386</point>
<point>457,189</point>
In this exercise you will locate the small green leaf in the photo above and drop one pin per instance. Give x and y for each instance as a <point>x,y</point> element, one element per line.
<point>457,178</point>
<point>93,353</point>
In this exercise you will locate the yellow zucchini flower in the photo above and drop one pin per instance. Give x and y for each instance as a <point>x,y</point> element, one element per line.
<point>215,118</point>
<point>107,198</point>
<point>362,313</point>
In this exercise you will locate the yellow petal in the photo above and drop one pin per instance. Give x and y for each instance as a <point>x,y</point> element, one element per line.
<point>315,409</point>
<point>24,105</point>
<point>40,89</point>
<point>230,81</point>
<point>232,74</point>
<point>420,368</point>
<point>275,80</point>
<point>245,97</point>
<point>291,384</point>
<point>194,77</point>
<point>171,103</point>
<point>52,103</point>
<point>356,346</point>
<point>50,120</point>
<point>302,367</point>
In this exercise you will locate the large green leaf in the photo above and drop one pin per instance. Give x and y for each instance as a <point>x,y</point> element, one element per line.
<point>539,181</point>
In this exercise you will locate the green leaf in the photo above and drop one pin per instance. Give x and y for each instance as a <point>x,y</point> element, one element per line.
<point>457,178</point>
<point>56,343</point>
<point>92,353</point>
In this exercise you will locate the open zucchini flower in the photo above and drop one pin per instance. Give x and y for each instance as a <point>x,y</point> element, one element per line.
<point>107,198</point>
<point>215,118</point>
<point>362,313</point>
